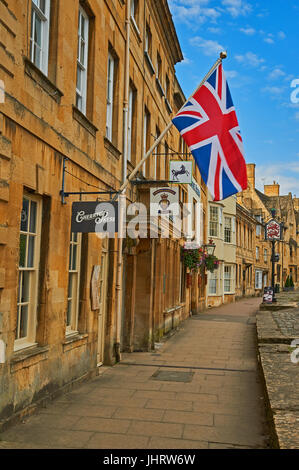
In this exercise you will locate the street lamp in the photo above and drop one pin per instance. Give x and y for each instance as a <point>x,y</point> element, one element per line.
<point>209,248</point>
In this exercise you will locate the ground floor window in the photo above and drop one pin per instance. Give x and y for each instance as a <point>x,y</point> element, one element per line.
<point>182,282</point>
<point>28,271</point>
<point>258,279</point>
<point>74,283</point>
<point>228,280</point>
<point>213,283</point>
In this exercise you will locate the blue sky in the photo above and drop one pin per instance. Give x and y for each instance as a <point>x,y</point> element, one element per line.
<point>262,41</point>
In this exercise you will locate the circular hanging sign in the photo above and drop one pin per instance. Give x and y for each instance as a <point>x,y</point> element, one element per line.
<point>273,230</point>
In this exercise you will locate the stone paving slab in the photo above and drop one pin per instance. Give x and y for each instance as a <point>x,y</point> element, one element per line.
<point>275,331</point>
<point>127,407</point>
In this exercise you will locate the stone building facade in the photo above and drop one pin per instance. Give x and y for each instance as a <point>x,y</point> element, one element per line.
<point>222,230</point>
<point>259,206</point>
<point>245,252</point>
<point>68,92</point>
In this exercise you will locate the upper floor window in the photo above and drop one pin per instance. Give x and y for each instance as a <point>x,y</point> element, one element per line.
<point>131,118</point>
<point>214,221</point>
<point>167,88</point>
<point>227,229</point>
<point>39,38</point>
<point>257,252</point>
<point>82,60</point>
<point>110,91</point>
<point>159,66</point>
<point>135,11</point>
<point>265,255</point>
<point>258,226</point>
<point>146,137</point>
<point>148,40</point>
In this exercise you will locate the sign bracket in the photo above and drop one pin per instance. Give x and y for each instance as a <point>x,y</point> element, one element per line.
<point>64,194</point>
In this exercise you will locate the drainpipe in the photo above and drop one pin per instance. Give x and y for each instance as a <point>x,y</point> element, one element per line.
<point>122,196</point>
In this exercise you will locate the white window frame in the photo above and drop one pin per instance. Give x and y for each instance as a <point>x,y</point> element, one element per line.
<point>228,269</point>
<point>228,229</point>
<point>265,255</point>
<point>258,279</point>
<point>82,63</point>
<point>44,17</point>
<point>216,222</point>
<point>74,271</point>
<point>130,122</point>
<point>110,92</point>
<point>213,283</point>
<point>134,6</point>
<point>145,127</point>
<point>33,276</point>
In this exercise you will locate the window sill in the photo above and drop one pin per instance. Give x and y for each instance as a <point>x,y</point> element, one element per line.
<point>73,341</point>
<point>28,356</point>
<point>84,121</point>
<point>42,80</point>
<point>135,28</point>
<point>149,62</point>
<point>159,86</point>
<point>111,148</point>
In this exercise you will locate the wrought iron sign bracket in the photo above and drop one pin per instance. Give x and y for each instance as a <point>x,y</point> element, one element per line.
<point>64,194</point>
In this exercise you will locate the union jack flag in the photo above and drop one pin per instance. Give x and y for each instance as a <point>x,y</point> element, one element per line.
<point>209,125</point>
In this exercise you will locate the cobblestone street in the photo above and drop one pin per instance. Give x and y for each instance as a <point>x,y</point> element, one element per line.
<point>200,389</point>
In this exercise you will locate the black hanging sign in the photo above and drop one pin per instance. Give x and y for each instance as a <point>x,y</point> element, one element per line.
<point>95,216</point>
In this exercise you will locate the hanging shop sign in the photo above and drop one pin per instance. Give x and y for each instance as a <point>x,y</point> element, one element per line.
<point>180,171</point>
<point>273,230</point>
<point>95,216</point>
<point>164,201</point>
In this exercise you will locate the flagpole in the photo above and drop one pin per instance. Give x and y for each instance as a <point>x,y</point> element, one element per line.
<point>223,55</point>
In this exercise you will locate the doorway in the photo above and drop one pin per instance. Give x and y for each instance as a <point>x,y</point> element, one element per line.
<point>102,301</point>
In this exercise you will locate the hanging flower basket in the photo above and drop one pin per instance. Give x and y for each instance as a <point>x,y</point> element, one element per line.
<point>197,259</point>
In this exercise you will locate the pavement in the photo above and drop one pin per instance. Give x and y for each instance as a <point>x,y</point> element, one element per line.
<point>276,330</point>
<point>200,389</point>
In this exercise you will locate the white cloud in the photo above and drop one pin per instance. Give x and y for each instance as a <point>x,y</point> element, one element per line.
<point>208,46</point>
<point>281,35</point>
<point>276,73</point>
<point>231,73</point>
<point>248,31</point>
<point>193,12</point>
<point>269,40</point>
<point>250,58</point>
<point>266,174</point>
<point>236,7</point>
<point>273,90</point>
<point>214,30</point>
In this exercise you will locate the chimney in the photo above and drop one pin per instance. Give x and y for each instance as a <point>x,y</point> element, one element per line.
<point>251,174</point>
<point>271,189</point>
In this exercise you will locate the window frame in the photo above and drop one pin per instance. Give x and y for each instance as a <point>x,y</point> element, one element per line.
<point>44,17</point>
<point>216,222</point>
<point>228,230</point>
<point>82,94</point>
<point>30,338</point>
<point>213,277</point>
<point>230,279</point>
<point>72,326</point>
<point>110,95</point>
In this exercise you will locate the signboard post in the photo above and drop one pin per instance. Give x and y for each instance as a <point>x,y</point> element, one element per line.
<point>273,233</point>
